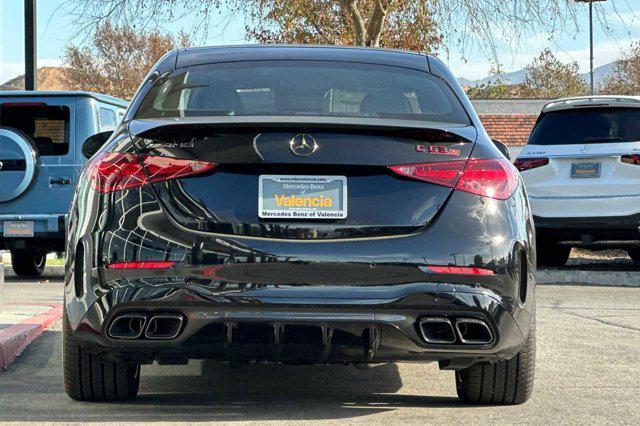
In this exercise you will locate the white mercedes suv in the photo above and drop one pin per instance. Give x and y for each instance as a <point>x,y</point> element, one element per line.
<point>581,168</point>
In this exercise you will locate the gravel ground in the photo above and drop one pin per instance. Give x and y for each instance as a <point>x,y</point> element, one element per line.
<point>603,260</point>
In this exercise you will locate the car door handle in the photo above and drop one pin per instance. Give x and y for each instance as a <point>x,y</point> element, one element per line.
<point>60,181</point>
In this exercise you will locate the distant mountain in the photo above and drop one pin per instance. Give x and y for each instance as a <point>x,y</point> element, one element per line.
<point>49,78</point>
<point>516,77</point>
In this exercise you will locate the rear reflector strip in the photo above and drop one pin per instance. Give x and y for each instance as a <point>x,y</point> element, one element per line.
<point>152,264</point>
<point>459,270</point>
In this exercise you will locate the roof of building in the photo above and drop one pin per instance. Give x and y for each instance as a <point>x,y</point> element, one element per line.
<point>509,106</point>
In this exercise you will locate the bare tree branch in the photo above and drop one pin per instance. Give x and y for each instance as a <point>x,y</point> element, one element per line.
<point>351,6</point>
<point>376,22</point>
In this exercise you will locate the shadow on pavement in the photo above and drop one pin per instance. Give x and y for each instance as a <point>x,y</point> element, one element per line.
<point>32,388</point>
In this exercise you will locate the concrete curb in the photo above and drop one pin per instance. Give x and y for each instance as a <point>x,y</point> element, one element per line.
<point>589,278</point>
<point>14,339</point>
<point>1,274</point>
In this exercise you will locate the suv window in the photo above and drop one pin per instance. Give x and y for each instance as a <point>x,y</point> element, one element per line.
<point>46,125</point>
<point>587,126</point>
<point>303,88</point>
<point>107,119</point>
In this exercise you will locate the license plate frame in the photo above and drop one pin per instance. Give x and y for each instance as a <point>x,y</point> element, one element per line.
<point>585,170</point>
<point>18,228</point>
<point>278,197</point>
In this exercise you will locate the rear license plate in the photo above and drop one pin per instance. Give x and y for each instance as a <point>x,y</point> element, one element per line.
<point>585,170</point>
<point>17,228</point>
<point>302,197</point>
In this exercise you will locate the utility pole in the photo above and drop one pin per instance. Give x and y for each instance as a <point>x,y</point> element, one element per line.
<point>30,51</point>
<point>590,41</point>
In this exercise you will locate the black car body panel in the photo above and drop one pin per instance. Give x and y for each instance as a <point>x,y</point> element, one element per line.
<point>253,289</point>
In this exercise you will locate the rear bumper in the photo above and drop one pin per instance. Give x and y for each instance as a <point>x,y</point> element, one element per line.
<point>48,232</point>
<point>609,228</point>
<point>585,207</point>
<point>381,325</point>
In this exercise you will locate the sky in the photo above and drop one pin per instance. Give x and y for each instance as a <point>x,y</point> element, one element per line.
<point>56,30</point>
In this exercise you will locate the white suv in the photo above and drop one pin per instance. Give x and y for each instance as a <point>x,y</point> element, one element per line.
<point>581,168</point>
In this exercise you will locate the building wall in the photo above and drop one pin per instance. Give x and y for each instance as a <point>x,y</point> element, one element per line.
<point>509,120</point>
<point>510,129</point>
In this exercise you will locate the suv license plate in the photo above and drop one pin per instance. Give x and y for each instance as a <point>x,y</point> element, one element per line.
<point>585,170</point>
<point>302,197</point>
<point>17,228</point>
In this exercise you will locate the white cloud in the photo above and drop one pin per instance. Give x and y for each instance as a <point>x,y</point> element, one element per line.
<point>9,70</point>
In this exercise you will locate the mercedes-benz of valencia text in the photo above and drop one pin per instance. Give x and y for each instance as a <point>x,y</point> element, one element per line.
<point>300,204</point>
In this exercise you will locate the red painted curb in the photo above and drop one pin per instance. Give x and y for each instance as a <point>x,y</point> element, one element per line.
<point>14,339</point>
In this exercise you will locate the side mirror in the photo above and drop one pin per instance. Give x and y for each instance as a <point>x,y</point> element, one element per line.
<point>503,148</point>
<point>94,143</point>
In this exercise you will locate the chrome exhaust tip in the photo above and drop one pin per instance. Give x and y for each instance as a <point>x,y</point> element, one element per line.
<point>473,331</point>
<point>127,326</point>
<point>437,330</point>
<point>165,326</point>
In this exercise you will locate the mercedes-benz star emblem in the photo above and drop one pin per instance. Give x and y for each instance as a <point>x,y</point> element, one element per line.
<point>303,145</point>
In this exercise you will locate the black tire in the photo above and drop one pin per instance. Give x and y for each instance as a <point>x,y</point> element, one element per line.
<point>27,263</point>
<point>550,253</point>
<point>89,377</point>
<point>634,254</point>
<point>508,382</point>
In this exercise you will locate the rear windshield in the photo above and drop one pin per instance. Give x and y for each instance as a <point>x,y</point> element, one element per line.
<point>46,125</point>
<point>303,88</point>
<point>580,126</point>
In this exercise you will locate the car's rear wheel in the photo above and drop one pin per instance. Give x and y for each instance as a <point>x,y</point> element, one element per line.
<point>507,382</point>
<point>89,377</point>
<point>634,254</point>
<point>550,253</point>
<point>27,263</point>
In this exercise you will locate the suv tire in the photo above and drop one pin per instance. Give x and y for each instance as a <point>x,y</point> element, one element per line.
<point>26,263</point>
<point>507,382</point>
<point>89,377</point>
<point>550,253</point>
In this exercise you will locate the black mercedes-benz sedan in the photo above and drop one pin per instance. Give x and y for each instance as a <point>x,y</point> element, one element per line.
<point>300,204</point>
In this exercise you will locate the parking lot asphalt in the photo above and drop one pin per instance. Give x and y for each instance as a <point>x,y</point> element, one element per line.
<point>587,372</point>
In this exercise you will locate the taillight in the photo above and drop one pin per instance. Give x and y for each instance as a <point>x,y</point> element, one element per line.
<point>443,173</point>
<point>489,177</point>
<point>113,171</point>
<point>523,164</point>
<point>631,159</point>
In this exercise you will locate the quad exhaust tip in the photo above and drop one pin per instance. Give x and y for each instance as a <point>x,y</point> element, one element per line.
<point>468,331</point>
<point>473,331</point>
<point>155,327</point>
<point>437,330</point>
<point>127,326</point>
<point>164,326</point>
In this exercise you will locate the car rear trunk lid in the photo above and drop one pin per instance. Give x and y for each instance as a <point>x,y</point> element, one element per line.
<point>352,155</point>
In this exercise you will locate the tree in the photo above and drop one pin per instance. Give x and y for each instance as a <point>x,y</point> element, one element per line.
<point>117,59</point>
<point>413,24</point>
<point>405,24</point>
<point>548,77</point>
<point>626,74</point>
<point>495,88</point>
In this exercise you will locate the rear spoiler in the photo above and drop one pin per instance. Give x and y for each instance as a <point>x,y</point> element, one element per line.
<point>148,127</point>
